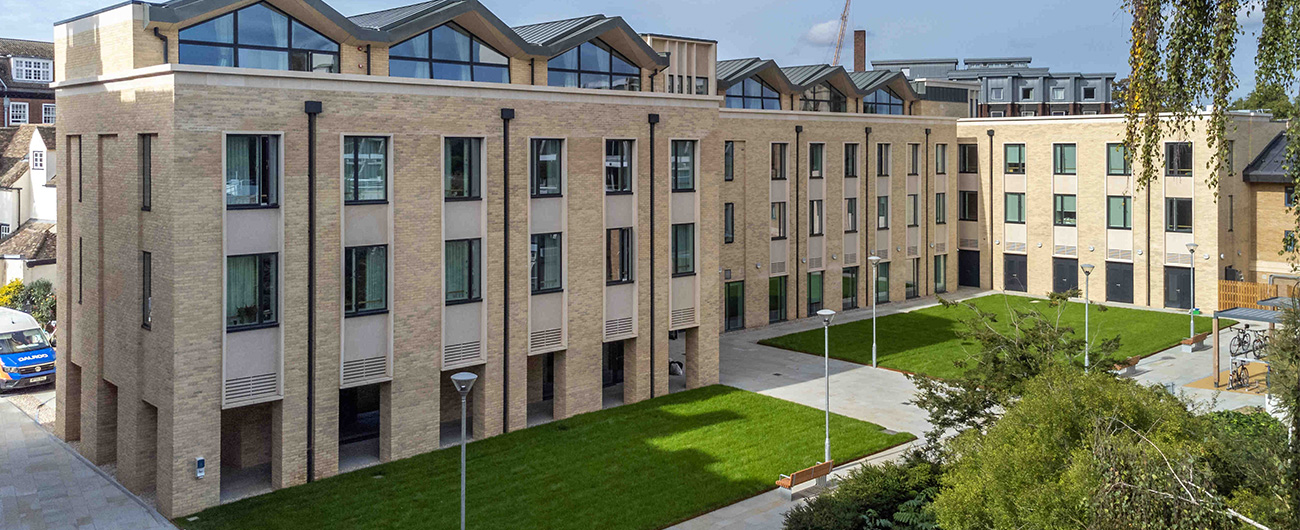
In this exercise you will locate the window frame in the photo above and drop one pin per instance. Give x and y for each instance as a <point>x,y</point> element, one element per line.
<point>677,249</point>
<point>851,160</point>
<point>146,171</point>
<point>913,159</point>
<point>779,296</point>
<point>1170,170</point>
<point>38,161</point>
<point>810,99</point>
<point>270,184</point>
<point>819,293</point>
<point>1289,197</point>
<point>783,158</point>
<point>941,159</point>
<point>743,98</point>
<point>1007,166</point>
<point>965,210</point>
<point>634,79</point>
<point>884,99</point>
<point>474,184</point>
<point>474,271</point>
<point>728,223</point>
<point>783,227</point>
<point>1059,214</point>
<point>728,161</point>
<point>850,278</point>
<point>274,258</point>
<point>1173,222</point>
<point>816,160</point>
<point>49,113</point>
<point>534,188</point>
<point>146,290</point>
<point>941,208</point>
<point>882,159</point>
<point>624,267</point>
<point>350,256</point>
<point>235,46</point>
<point>472,63</point>
<point>42,66</point>
<point>355,177</point>
<point>1112,149</point>
<point>882,212</point>
<point>816,217</point>
<point>675,162</point>
<point>850,215</point>
<point>627,159</point>
<point>1006,201</point>
<point>13,113</point>
<point>1126,203</point>
<point>1058,159</point>
<point>972,158</point>
<point>540,265</point>
<point>912,210</point>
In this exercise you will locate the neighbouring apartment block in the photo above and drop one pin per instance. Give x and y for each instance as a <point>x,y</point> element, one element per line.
<point>26,71</point>
<point>284,228</point>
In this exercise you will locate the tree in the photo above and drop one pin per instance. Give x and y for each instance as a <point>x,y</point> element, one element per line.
<point>1119,95</point>
<point>1284,360</point>
<point>37,298</point>
<point>1271,98</point>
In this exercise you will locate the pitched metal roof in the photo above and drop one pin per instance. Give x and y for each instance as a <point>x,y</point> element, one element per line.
<point>386,18</point>
<point>802,75</point>
<point>558,36</point>
<point>729,69</point>
<point>869,80</point>
<point>1267,167</point>
<point>733,71</point>
<point>544,33</point>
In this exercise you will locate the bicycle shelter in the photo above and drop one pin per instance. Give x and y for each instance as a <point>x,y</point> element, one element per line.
<point>1272,317</point>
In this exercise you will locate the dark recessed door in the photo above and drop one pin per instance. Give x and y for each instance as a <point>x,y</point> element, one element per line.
<point>1065,274</point>
<point>968,268</point>
<point>1178,287</point>
<point>1119,282</point>
<point>1015,273</point>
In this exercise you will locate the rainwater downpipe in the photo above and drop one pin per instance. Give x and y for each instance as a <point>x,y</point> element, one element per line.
<point>163,38</point>
<point>506,116</point>
<point>312,108</point>
<point>798,256</point>
<point>653,120</point>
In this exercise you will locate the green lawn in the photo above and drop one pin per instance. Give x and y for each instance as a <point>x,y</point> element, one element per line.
<point>645,465</point>
<point>926,342</point>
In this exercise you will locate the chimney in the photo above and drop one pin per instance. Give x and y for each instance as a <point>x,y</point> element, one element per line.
<point>859,50</point>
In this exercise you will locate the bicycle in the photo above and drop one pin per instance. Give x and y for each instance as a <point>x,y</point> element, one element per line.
<point>1239,376</point>
<point>1240,343</point>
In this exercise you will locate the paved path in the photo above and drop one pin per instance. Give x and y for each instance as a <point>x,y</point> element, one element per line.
<point>1174,369</point>
<point>44,485</point>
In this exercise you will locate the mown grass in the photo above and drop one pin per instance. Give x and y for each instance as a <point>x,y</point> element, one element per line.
<point>926,342</point>
<point>641,466</point>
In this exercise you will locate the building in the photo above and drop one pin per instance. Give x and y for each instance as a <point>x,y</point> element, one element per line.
<point>28,235</point>
<point>286,228</point>
<point>26,71</point>
<point>1009,87</point>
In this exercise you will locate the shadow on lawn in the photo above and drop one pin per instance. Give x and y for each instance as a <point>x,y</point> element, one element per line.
<point>645,465</point>
<point>896,333</point>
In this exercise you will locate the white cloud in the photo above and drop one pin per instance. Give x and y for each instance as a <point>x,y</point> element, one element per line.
<point>822,33</point>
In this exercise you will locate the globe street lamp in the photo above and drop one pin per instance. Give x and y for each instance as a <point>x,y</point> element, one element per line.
<point>463,381</point>
<point>1087,301</point>
<point>1191,310</point>
<point>827,315</point>
<point>875,279</point>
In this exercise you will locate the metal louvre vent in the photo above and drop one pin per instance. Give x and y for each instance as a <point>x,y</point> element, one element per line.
<point>1118,254</point>
<point>1065,250</point>
<point>618,326</point>
<point>1178,258</point>
<point>251,387</point>
<point>545,339</point>
<point>941,247</point>
<point>815,263</point>
<point>463,354</point>
<point>1017,247</point>
<point>778,267</point>
<point>968,243</point>
<point>682,317</point>
<point>851,258</point>
<point>359,370</point>
<point>912,250</point>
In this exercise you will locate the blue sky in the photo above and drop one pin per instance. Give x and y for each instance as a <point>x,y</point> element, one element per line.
<point>1066,35</point>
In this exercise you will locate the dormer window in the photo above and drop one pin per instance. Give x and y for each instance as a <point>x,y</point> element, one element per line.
<point>448,52</point>
<point>32,70</point>
<point>882,101</point>
<point>258,36</point>
<point>593,64</point>
<point>823,97</point>
<point>753,93</point>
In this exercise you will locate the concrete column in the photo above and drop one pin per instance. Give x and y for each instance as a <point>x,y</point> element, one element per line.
<point>137,443</point>
<point>67,409</point>
<point>99,419</point>
<point>577,378</point>
<point>701,359</point>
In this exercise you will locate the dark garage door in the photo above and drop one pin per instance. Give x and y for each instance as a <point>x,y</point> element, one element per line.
<point>1178,292</point>
<point>1016,276</point>
<point>1065,274</point>
<point>968,268</point>
<point>1119,282</point>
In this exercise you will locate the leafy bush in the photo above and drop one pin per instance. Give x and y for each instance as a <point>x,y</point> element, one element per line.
<point>1246,455</point>
<point>36,298</point>
<point>891,495</point>
<point>10,292</point>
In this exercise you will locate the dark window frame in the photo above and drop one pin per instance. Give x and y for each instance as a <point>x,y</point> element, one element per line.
<point>823,93</point>
<point>1174,222</point>
<point>1060,217</point>
<point>1127,205</point>
<point>677,249</point>
<point>781,154</point>
<point>883,99</point>
<point>850,215</point>
<point>728,161</point>
<point>882,212</point>
<point>269,185</point>
<point>816,160</point>
<point>941,208</point>
<point>744,98</point>
<point>883,159</point>
<point>235,45</point>
<point>941,159</point>
<point>146,171</point>
<point>967,211</point>
<point>473,63</point>
<point>473,184</point>
<point>675,161</point>
<point>540,265</point>
<point>350,280</point>
<point>851,160</point>
<point>849,275</point>
<point>535,189</point>
<point>624,266</point>
<point>1122,150</point>
<point>968,160</point>
<point>816,217</point>
<point>1172,168</point>
<point>1007,167</point>
<point>633,79</point>
<point>728,223</point>
<point>1007,204</point>
<point>778,297</point>
<point>355,143</point>
<point>146,290</point>
<point>783,227</point>
<point>274,261</point>
<point>820,291</point>
<point>474,271</point>
<point>913,216</point>
<point>913,159</point>
<point>1058,159</point>
<point>1289,197</point>
<point>618,178</point>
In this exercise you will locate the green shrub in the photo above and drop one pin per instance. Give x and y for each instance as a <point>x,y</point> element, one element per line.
<point>10,292</point>
<point>891,495</point>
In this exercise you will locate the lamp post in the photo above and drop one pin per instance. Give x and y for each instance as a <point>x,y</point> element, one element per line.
<point>1191,310</point>
<point>464,381</point>
<point>827,315</point>
<point>875,278</point>
<point>1087,301</point>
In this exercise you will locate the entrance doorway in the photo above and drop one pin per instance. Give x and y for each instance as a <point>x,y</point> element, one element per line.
<point>358,427</point>
<point>968,268</point>
<point>1065,274</point>
<point>1016,272</point>
<point>1178,287</point>
<point>1119,282</point>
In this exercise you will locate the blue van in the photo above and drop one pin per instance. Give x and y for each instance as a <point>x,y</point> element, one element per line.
<point>26,356</point>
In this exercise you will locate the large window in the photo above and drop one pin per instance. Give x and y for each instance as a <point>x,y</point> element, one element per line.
<point>1064,210</point>
<point>816,218</point>
<point>968,159</point>
<point>734,305</point>
<point>365,279</point>
<point>548,262</point>
<point>1119,212</point>
<point>618,166</point>
<point>365,169</point>
<point>823,97</point>
<point>882,160</point>
<point>251,287</point>
<point>618,255</point>
<point>49,113</point>
<point>448,52</point>
<point>463,172</point>
<point>258,36</point>
<point>883,101</point>
<point>941,159</point>
<point>1117,162</point>
<point>778,161</point>
<point>850,160</point>
<point>777,228</point>
<point>911,210</point>
<point>815,293</point>
<point>753,93</point>
<point>146,172</point>
<point>776,299</point>
<point>17,113</point>
<point>969,209</point>
<point>1015,158</point>
<point>728,161</point>
<point>683,165</point>
<point>728,223</point>
<point>849,288</point>
<point>1178,214</point>
<point>593,64</point>
<point>252,170</point>
<point>816,160</point>
<point>32,70</point>
<point>464,269</point>
<point>851,214</point>
<point>1015,207</point>
<point>941,208</point>
<point>547,168</point>
<point>146,289</point>
<point>882,282</point>
<point>1063,159</point>
<point>702,85</point>
<point>683,249</point>
<point>882,212</point>
<point>1178,159</point>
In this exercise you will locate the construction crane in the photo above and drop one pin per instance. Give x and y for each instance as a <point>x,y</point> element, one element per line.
<point>839,41</point>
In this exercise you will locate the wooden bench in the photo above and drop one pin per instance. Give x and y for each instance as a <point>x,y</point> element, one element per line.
<point>788,482</point>
<point>1194,342</point>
